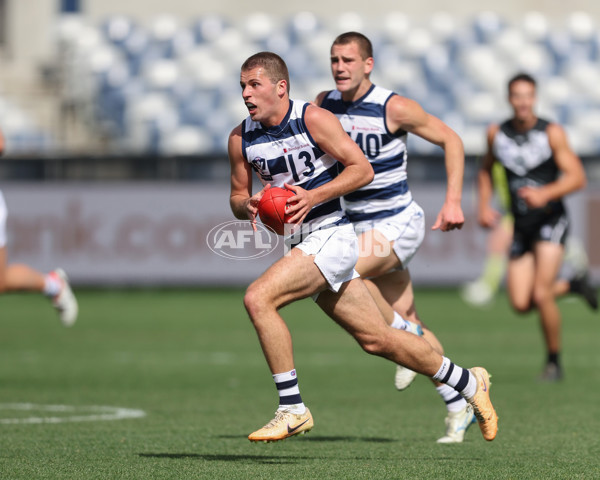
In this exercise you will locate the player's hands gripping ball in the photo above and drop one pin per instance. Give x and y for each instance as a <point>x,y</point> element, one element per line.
<point>272,208</point>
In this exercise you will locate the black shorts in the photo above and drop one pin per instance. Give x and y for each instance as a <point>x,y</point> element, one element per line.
<point>554,229</point>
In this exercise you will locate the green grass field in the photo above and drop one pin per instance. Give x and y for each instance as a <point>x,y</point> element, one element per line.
<point>191,361</point>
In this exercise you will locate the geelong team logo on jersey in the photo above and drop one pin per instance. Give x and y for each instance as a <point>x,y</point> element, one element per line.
<point>260,166</point>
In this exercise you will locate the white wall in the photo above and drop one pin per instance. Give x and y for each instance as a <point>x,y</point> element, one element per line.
<point>29,32</point>
<point>511,9</point>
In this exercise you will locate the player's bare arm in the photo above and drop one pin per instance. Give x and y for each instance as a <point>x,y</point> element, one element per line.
<point>1,144</point>
<point>328,133</point>
<point>572,178</point>
<point>408,115</point>
<point>243,204</point>
<point>486,215</point>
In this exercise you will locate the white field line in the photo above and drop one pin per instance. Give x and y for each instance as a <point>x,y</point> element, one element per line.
<point>93,413</point>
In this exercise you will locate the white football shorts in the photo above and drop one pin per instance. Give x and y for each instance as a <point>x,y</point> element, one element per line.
<point>336,252</point>
<point>3,213</point>
<point>406,229</point>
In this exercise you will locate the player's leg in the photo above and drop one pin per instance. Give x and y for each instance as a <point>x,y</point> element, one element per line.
<point>20,277</point>
<point>354,309</point>
<point>520,278</point>
<point>16,277</point>
<point>293,277</point>
<point>384,249</point>
<point>548,259</point>
<point>396,287</point>
<point>2,267</point>
<point>391,317</point>
<point>378,256</point>
<point>482,290</point>
<point>323,259</point>
<point>54,285</point>
<point>386,245</point>
<point>578,282</point>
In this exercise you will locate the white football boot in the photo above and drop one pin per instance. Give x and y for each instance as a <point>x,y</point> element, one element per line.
<point>404,376</point>
<point>457,424</point>
<point>65,302</point>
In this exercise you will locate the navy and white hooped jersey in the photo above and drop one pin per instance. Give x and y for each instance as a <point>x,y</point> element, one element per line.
<point>287,153</point>
<point>528,161</point>
<point>365,121</point>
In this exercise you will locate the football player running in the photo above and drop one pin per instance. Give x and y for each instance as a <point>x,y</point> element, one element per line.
<point>389,223</point>
<point>16,277</point>
<point>298,145</point>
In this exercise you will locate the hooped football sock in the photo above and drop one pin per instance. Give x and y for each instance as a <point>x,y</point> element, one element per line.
<point>453,400</point>
<point>461,379</point>
<point>289,393</point>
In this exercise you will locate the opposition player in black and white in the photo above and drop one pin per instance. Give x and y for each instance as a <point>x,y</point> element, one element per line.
<point>541,169</point>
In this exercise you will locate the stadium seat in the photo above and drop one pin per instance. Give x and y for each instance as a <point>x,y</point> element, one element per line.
<point>209,27</point>
<point>258,27</point>
<point>455,69</point>
<point>161,74</point>
<point>487,25</point>
<point>580,26</point>
<point>346,22</point>
<point>535,26</point>
<point>302,26</point>
<point>396,26</point>
<point>443,26</point>
<point>117,29</point>
<point>185,140</point>
<point>418,43</point>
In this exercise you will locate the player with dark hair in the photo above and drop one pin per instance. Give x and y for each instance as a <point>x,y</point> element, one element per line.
<point>296,145</point>
<point>541,169</point>
<point>20,277</point>
<point>389,223</point>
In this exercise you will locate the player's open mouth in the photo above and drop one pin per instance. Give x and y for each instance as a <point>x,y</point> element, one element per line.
<point>251,107</point>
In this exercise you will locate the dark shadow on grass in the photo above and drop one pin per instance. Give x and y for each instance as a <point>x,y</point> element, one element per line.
<point>259,459</point>
<point>350,439</point>
<point>311,438</point>
<point>230,458</point>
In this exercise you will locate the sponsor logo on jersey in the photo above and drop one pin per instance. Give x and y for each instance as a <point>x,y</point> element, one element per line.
<point>298,147</point>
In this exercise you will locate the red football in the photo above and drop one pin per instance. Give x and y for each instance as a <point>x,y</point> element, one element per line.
<point>272,208</point>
